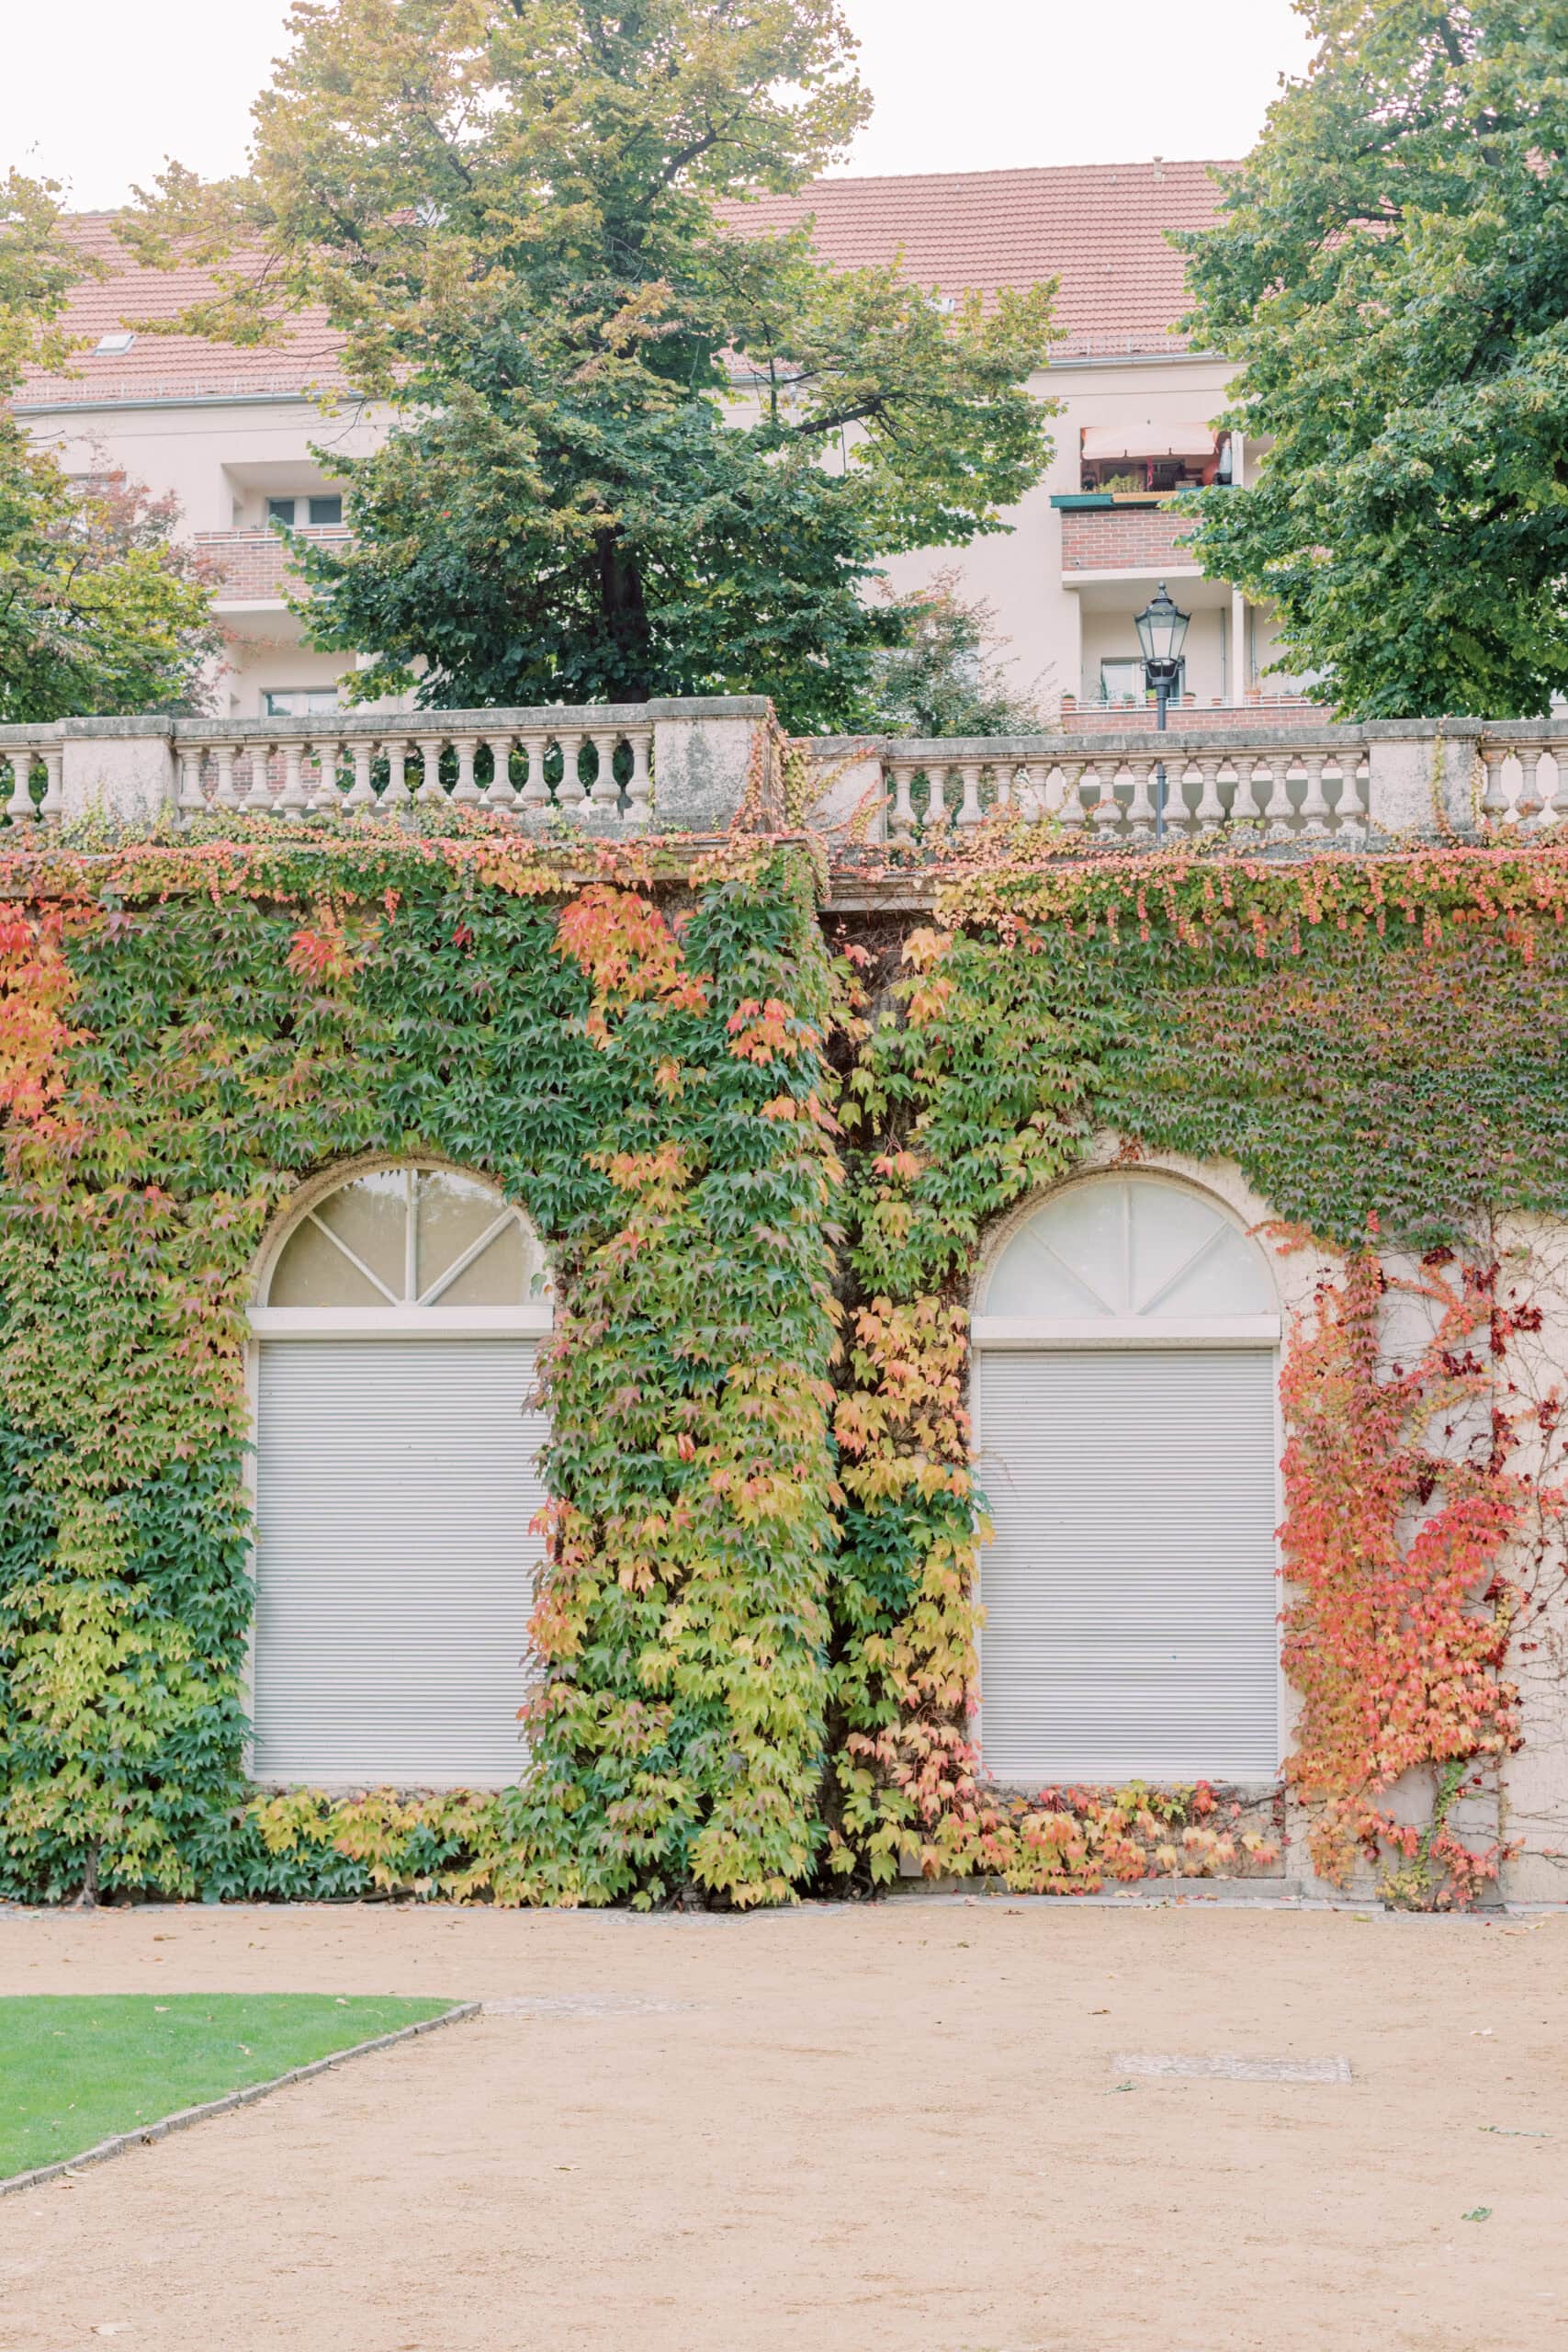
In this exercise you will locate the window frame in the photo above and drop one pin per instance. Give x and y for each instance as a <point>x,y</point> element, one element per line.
<point>532,1321</point>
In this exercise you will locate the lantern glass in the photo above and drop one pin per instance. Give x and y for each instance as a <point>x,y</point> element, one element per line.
<point>1162,630</point>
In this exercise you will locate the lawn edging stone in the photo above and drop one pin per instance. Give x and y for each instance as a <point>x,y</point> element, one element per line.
<point>145,2133</point>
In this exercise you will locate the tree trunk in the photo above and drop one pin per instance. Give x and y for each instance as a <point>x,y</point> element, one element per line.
<point>629,638</point>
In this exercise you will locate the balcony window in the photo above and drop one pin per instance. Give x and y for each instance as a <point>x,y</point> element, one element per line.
<point>1152,460</point>
<point>298,702</point>
<point>1123,681</point>
<point>318,513</point>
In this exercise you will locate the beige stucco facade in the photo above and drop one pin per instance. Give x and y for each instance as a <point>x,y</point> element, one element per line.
<point>223,459</point>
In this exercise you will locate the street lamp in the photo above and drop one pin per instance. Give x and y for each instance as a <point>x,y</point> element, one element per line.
<point>1162,632</point>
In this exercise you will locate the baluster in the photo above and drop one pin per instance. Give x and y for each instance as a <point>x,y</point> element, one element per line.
<point>1176,810</point>
<point>571,794</point>
<point>1556,807</point>
<point>362,791</point>
<point>192,800</point>
<point>465,791</point>
<point>1105,809</point>
<point>535,796</point>
<point>1006,775</point>
<point>1274,800</point>
<point>53,806</point>
<point>1495,799</point>
<point>1243,809</point>
<point>223,793</point>
<point>1528,803</point>
<point>432,792</point>
<point>1356,798</point>
<point>936,797</point>
<point>969,806</point>
<point>398,798</point>
<point>1210,814</point>
<point>1076,774</point>
<point>903,818</point>
<point>1314,808</point>
<point>605,794</point>
<point>1033,791</point>
<point>1141,814</point>
<point>326,799</point>
<point>640,785</point>
<point>259,796</point>
<point>1343,765</point>
<point>498,793</point>
<point>291,800</point>
<point>21,808</point>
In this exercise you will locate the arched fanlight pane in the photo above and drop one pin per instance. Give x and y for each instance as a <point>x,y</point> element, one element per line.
<point>369,1217</point>
<point>411,1237</point>
<point>1128,1248</point>
<point>312,1270</point>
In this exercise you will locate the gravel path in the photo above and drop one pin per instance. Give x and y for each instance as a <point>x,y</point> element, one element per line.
<point>885,2130</point>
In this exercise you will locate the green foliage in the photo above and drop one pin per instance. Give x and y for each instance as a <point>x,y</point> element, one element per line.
<point>651,1105</point>
<point>947,676</point>
<point>642,447</point>
<point>100,611</point>
<point>1391,270</point>
<point>759,1656</point>
<point>1378,1045</point>
<point>79,2068</point>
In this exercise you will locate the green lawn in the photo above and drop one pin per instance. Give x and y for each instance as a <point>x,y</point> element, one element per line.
<point>76,2069</point>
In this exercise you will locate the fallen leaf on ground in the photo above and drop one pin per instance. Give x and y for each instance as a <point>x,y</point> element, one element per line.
<point>1477,2213</point>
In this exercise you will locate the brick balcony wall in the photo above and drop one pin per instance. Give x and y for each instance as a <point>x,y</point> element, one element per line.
<point>1122,538</point>
<point>253,567</point>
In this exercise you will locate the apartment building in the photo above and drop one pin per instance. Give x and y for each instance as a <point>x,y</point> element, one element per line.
<point>245,439</point>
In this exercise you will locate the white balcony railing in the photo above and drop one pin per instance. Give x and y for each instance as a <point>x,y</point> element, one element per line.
<point>591,766</point>
<point>1275,792</point>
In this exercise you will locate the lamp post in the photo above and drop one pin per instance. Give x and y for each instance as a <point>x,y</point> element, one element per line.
<point>1162,633</point>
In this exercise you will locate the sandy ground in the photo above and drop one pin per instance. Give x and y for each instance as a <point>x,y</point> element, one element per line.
<point>886,2130</point>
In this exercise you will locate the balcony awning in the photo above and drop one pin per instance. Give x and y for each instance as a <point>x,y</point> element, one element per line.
<point>1150,440</point>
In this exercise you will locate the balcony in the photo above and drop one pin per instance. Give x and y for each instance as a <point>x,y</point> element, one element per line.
<point>252,573</point>
<point>1104,536</point>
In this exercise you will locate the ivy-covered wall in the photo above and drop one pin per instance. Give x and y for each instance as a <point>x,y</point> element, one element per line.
<point>764,1148</point>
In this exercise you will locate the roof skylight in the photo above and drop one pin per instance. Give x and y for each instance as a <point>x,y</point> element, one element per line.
<point>112,345</point>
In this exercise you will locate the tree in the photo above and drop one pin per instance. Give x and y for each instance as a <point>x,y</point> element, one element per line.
<point>639,447</point>
<point>1391,268</point>
<point>946,678</point>
<point>101,611</point>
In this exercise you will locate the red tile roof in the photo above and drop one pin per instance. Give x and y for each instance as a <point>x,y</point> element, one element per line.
<point>171,367</point>
<point>1099,226</point>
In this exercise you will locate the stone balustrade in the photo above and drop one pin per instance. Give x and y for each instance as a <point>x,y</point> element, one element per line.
<point>695,767</point>
<point>1280,777</point>
<point>683,766</point>
<point>1275,792</point>
<point>591,766</point>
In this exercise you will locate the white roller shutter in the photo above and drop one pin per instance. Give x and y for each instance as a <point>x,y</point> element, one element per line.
<point>395,1484</point>
<point>1131,1598</point>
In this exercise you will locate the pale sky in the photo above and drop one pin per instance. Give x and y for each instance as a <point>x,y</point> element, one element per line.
<point>97,93</point>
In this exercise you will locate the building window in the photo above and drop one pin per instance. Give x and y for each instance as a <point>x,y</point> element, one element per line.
<point>398,1433</point>
<point>1124,681</point>
<point>298,702</point>
<point>1125,1394</point>
<point>320,513</point>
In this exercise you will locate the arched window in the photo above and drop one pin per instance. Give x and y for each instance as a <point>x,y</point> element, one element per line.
<point>1126,1424</point>
<point>1133,1251</point>
<point>397,1477</point>
<point>416,1239</point>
